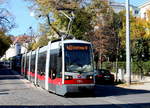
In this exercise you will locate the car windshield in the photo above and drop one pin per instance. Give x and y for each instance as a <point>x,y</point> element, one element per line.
<point>78,57</point>
<point>104,72</point>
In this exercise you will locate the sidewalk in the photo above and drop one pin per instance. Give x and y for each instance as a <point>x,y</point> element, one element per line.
<point>137,85</point>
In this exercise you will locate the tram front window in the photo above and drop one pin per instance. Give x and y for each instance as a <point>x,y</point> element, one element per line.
<point>78,58</point>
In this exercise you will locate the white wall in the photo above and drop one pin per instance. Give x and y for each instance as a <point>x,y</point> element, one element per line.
<point>14,50</point>
<point>10,52</point>
<point>24,48</point>
<point>143,10</point>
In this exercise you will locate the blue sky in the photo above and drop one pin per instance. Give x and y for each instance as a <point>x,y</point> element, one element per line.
<point>134,2</point>
<point>19,9</point>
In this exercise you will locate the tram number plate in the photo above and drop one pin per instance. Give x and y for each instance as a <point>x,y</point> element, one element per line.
<point>79,81</point>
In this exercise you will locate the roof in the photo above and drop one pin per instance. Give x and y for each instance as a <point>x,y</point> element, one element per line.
<point>145,4</point>
<point>21,39</point>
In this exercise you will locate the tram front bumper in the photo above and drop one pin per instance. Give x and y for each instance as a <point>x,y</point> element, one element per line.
<point>74,88</point>
<point>79,87</point>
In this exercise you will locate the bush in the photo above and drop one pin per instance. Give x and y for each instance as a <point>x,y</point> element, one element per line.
<point>134,67</point>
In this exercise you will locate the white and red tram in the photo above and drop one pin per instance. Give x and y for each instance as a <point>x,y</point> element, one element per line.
<point>62,67</point>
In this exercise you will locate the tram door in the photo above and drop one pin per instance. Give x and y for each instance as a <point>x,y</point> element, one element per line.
<point>26,66</point>
<point>22,65</point>
<point>32,67</point>
<point>52,72</point>
<point>55,70</point>
<point>41,69</point>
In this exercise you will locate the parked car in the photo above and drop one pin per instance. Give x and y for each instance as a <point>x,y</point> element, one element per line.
<point>103,76</point>
<point>1,65</point>
<point>7,64</point>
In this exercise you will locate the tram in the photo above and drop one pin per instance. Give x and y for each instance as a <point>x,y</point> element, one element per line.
<point>63,66</point>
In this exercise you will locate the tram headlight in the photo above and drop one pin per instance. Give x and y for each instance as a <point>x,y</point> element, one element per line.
<point>90,77</point>
<point>68,77</point>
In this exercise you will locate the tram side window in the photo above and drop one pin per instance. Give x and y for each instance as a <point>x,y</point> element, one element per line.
<point>27,63</point>
<point>59,66</point>
<point>55,66</point>
<point>42,63</point>
<point>23,62</point>
<point>33,63</point>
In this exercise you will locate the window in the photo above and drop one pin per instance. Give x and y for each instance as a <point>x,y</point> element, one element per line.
<point>55,66</point>
<point>23,63</point>
<point>32,69</point>
<point>145,15</point>
<point>41,63</point>
<point>78,57</point>
<point>136,12</point>
<point>27,64</point>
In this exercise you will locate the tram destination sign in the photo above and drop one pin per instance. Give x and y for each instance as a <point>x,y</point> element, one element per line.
<point>75,47</point>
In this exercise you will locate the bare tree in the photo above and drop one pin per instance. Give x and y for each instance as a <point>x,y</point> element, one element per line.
<point>6,20</point>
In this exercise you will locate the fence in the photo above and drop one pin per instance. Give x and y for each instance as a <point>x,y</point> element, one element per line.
<point>139,70</point>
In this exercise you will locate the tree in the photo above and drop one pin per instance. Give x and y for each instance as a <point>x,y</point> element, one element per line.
<point>5,42</point>
<point>42,41</point>
<point>51,10</point>
<point>80,26</point>
<point>105,23</point>
<point>140,36</point>
<point>6,20</point>
<point>46,8</point>
<point>6,24</point>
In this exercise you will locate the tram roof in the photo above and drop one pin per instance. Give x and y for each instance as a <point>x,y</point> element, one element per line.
<point>56,44</point>
<point>76,41</point>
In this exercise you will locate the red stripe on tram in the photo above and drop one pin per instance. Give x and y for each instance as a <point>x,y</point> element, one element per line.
<point>78,81</point>
<point>41,77</point>
<point>56,81</point>
<point>32,74</point>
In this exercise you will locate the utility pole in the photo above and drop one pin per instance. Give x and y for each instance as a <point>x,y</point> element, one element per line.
<point>31,33</point>
<point>128,60</point>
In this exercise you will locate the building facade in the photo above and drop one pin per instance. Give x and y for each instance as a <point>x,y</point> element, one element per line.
<point>19,46</point>
<point>117,7</point>
<point>144,10</point>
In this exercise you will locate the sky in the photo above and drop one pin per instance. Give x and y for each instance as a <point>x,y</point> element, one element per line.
<point>134,2</point>
<point>24,20</point>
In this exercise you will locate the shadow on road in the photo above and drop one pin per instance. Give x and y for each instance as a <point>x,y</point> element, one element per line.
<point>110,90</point>
<point>6,74</point>
<point>135,105</point>
<point>107,90</point>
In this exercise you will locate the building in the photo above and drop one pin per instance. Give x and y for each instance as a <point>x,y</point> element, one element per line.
<point>12,51</point>
<point>19,46</point>
<point>117,7</point>
<point>144,10</point>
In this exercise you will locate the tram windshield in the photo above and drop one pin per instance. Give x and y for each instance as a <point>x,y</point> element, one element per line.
<point>78,58</point>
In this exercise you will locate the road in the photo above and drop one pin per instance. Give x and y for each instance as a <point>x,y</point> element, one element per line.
<point>15,91</point>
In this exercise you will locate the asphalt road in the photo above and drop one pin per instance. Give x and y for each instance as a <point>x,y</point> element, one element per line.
<point>15,91</point>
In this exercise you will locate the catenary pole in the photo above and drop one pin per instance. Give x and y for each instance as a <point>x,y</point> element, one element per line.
<point>128,62</point>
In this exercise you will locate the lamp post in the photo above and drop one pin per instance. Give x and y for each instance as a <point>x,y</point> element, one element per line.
<point>128,60</point>
<point>31,33</point>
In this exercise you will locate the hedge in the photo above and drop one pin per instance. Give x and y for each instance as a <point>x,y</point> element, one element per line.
<point>134,67</point>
